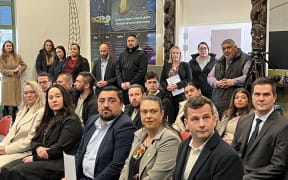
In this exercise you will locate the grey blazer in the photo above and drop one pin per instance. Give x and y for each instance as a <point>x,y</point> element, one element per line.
<point>159,160</point>
<point>267,158</point>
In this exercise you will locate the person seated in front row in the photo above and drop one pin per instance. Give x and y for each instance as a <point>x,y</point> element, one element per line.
<point>205,155</point>
<point>17,143</point>
<point>154,149</point>
<point>191,90</point>
<point>240,105</point>
<point>107,139</point>
<point>60,130</point>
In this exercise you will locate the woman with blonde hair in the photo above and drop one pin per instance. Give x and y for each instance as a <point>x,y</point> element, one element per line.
<point>17,143</point>
<point>11,66</point>
<point>178,73</point>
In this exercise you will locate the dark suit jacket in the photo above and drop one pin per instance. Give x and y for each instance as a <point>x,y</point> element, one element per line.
<point>217,161</point>
<point>110,73</point>
<point>267,157</point>
<point>113,151</point>
<point>137,120</point>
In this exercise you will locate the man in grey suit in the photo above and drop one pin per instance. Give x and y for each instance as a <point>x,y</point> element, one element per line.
<point>261,138</point>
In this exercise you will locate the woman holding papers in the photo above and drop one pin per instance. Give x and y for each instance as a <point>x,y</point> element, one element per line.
<point>60,130</point>
<point>175,74</point>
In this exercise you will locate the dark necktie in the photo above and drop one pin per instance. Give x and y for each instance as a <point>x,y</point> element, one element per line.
<point>254,134</point>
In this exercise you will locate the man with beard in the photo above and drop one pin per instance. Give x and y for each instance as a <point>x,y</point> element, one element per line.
<point>104,69</point>
<point>86,104</point>
<point>136,93</point>
<point>132,66</point>
<point>107,139</point>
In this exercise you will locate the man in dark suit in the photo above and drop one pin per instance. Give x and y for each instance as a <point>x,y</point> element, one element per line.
<point>261,138</point>
<point>107,139</point>
<point>205,155</point>
<point>136,93</point>
<point>104,69</point>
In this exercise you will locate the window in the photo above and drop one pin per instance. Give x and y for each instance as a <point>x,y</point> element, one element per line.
<point>7,25</point>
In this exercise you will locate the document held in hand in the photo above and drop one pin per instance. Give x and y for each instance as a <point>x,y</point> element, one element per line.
<point>173,80</point>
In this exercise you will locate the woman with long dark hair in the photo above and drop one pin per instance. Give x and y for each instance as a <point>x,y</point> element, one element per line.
<point>45,57</point>
<point>60,130</point>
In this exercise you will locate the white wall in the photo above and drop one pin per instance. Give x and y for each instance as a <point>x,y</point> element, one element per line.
<point>198,18</point>
<point>38,20</point>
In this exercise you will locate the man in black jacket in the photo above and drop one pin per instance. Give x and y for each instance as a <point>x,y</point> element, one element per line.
<point>86,105</point>
<point>132,66</point>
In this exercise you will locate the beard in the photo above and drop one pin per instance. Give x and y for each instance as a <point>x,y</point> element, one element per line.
<point>79,90</point>
<point>107,117</point>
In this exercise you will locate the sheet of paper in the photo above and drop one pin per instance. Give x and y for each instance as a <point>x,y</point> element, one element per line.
<point>69,167</point>
<point>173,80</point>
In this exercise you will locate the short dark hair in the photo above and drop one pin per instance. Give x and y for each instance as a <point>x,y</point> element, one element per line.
<point>264,81</point>
<point>151,75</point>
<point>112,88</point>
<point>89,78</point>
<point>196,103</point>
<point>137,86</point>
<point>75,44</point>
<point>45,74</point>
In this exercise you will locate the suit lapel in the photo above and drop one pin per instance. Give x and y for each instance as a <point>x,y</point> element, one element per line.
<point>107,69</point>
<point>247,124</point>
<point>98,71</point>
<point>205,154</point>
<point>266,126</point>
<point>150,152</point>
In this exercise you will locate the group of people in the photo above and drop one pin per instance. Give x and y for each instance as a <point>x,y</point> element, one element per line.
<point>120,124</point>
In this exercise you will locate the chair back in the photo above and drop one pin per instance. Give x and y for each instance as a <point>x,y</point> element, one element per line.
<point>5,124</point>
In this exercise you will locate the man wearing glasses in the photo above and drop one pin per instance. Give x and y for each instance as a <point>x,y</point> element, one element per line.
<point>44,80</point>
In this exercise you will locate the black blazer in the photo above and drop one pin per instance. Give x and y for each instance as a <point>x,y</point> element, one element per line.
<point>217,161</point>
<point>110,73</point>
<point>268,157</point>
<point>184,72</point>
<point>137,120</point>
<point>113,151</point>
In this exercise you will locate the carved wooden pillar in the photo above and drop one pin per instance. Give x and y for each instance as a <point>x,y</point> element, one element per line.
<point>169,25</point>
<point>258,18</point>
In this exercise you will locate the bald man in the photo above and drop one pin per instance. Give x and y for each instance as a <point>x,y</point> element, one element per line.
<point>104,69</point>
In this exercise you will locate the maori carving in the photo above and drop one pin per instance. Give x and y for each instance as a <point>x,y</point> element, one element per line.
<point>169,24</point>
<point>258,16</point>
<point>74,25</point>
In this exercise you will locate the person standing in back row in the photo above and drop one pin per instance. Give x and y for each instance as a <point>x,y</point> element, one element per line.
<point>228,74</point>
<point>132,66</point>
<point>11,66</point>
<point>75,63</point>
<point>201,65</point>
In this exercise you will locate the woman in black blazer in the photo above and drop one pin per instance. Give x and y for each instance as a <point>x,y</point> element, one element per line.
<point>60,130</point>
<point>174,68</point>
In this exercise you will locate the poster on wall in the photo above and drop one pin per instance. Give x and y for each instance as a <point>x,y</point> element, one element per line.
<point>112,20</point>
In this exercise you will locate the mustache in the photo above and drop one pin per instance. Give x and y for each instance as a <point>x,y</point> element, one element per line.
<point>106,109</point>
